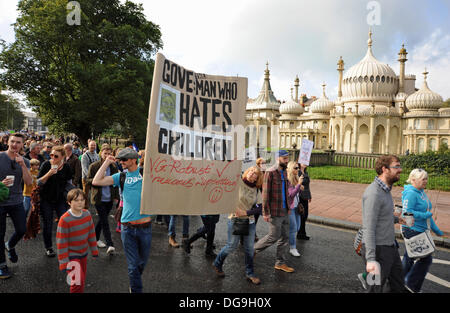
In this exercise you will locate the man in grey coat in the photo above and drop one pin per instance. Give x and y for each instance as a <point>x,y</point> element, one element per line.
<point>380,249</point>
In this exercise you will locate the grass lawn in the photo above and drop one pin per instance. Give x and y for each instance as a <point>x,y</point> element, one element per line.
<point>365,176</point>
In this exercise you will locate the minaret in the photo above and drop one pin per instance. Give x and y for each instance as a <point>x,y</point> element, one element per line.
<point>341,71</point>
<point>402,59</point>
<point>297,83</point>
<point>266,82</point>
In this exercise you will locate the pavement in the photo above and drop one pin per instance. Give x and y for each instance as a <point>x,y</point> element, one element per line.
<point>339,204</point>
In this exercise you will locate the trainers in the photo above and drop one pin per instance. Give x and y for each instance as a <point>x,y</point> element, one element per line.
<point>410,289</point>
<point>173,242</point>
<point>111,250</point>
<point>218,271</point>
<point>210,254</point>
<point>284,268</point>
<point>362,280</point>
<point>294,252</point>
<point>12,255</point>
<point>101,244</point>
<point>303,237</point>
<point>50,253</point>
<point>4,273</point>
<point>254,280</point>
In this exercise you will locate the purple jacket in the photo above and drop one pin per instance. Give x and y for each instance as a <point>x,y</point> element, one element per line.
<point>292,192</point>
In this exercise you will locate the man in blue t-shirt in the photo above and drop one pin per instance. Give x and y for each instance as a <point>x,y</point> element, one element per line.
<point>136,227</point>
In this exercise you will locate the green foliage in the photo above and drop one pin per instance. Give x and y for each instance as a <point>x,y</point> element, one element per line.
<point>11,116</point>
<point>83,78</point>
<point>446,103</point>
<point>435,163</point>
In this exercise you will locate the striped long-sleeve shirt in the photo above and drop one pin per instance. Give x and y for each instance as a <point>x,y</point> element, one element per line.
<point>74,236</point>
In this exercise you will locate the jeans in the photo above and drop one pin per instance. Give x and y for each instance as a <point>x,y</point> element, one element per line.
<point>415,272</point>
<point>26,205</point>
<point>294,226</point>
<point>47,218</point>
<point>103,210</point>
<point>173,222</point>
<point>17,214</point>
<point>278,233</point>
<point>136,244</point>
<point>232,244</point>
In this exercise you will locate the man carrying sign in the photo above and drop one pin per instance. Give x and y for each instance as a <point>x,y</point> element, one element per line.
<point>136,231</point>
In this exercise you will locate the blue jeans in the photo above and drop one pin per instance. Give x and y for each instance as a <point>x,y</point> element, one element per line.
<point>136,244</point>
<point>47,218</point>
<point>17,214</point>
<point>26,205</point>
<point>415,272</point>
<point>103,210</point>
<point>232,244</point>
<point>173,222</point>
<point>294,227</point>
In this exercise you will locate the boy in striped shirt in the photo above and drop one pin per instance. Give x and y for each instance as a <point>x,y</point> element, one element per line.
<point>74,236</point>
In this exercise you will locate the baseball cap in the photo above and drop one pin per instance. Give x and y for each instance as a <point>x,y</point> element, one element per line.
<point>282,153</point>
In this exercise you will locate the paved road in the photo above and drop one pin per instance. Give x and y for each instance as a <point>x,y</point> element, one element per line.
<point>328,264</point>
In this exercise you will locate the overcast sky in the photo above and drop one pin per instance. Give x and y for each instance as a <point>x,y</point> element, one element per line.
<point>297,37</point>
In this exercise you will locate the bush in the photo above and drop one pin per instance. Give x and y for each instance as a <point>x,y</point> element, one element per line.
<point>435,163</point>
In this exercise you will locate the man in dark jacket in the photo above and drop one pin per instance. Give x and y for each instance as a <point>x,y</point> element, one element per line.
<point>74,163</point>
<point>103,198</point>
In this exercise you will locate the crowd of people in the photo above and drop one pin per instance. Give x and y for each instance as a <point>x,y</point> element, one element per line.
<point>55,175</point>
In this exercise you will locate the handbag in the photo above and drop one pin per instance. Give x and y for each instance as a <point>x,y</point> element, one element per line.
<point>419,246</point>
<point>240,226</point>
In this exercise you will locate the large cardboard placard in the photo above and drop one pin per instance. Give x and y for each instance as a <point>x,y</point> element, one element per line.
<point>193,157</point>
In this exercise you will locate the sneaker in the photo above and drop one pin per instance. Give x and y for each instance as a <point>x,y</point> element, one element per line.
<point>410,289</point>
<point>218,271</point>
<point>303,237</point>
<point>186,246</point>
<point>12,255</point>
<point>362,280</point>
<point>50,253</point>
<point>5,273</point>
<point>210,254</point>
<point>101,244</point>
<point>284,268</point>
<point>294,252</point>
<point>111,250</point>
<point>254,280</point>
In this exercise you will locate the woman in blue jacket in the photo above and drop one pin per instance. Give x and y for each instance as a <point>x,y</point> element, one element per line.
<point>415,201</point>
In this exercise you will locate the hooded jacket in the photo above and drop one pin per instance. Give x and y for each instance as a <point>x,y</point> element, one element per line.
<point>415,201</point>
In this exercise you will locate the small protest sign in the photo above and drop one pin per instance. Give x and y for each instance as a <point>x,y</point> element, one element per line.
<point>305,151</point>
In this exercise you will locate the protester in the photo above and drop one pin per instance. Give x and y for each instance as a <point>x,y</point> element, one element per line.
<point>275,211</point>
<point>74,235</point>
<point>136,230</point>
<point>305,200</point>
<point>46,151</point>
<point>209,230</point>
<point>4,143</point>
<point>295,187</point>
<point>172,232</point>
<point>380,249</point>
<point>248,199</point>
<point>74,164</point>
<point>103,199</point>
<point>53,178</point>
<point>87,159</point>
<point>76,149</point>
<point>13,172</point>
<point>415,201</point>
<point>27,189</point>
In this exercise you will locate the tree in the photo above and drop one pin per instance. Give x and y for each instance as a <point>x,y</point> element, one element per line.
<point>83,78</point>
<point>446,103</point>
<point>11,116</point>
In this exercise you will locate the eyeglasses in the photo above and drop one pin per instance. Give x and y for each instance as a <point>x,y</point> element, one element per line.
<point>296,168</point>
<point>123,159</point>
<point>55,156</point>
<point>397,166</point>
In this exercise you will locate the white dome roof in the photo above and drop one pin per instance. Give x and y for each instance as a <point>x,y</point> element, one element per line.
<point>291,107</point>
<point>323,104</point>
<point>424,99</point>
<point>369,80</point>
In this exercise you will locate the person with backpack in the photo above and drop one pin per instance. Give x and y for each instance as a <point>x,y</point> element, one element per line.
<point>136,230</point>
<point>89,157</point>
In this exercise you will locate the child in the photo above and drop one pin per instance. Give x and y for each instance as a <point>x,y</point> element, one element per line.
<point>34,171</point>
<point>74,235</point>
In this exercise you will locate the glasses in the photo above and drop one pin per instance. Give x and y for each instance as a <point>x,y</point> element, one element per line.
<point>49,147</point>
<point>55,156</point>
<point>397,166</point>
<point>123,159</point>
<point>296,168</point>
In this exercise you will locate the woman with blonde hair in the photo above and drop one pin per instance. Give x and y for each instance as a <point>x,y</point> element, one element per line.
<point>415,201</point>
<point>294,188</point>
<point>247,208</point>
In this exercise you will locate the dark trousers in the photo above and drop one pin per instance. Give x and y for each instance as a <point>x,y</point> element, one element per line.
<point>103,210</point>
<point>391,269</point>
<point>47,209</point>
<point>303,217</point>
<point>17,214</point>
<point>209,228</point>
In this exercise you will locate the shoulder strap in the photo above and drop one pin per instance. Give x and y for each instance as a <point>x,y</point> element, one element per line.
<point>122,178</point>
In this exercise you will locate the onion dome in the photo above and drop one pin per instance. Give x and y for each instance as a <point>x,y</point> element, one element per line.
<point>424,99</point>
<point>369,79</point>
<point>323,104</point>
<point>291,107</point>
